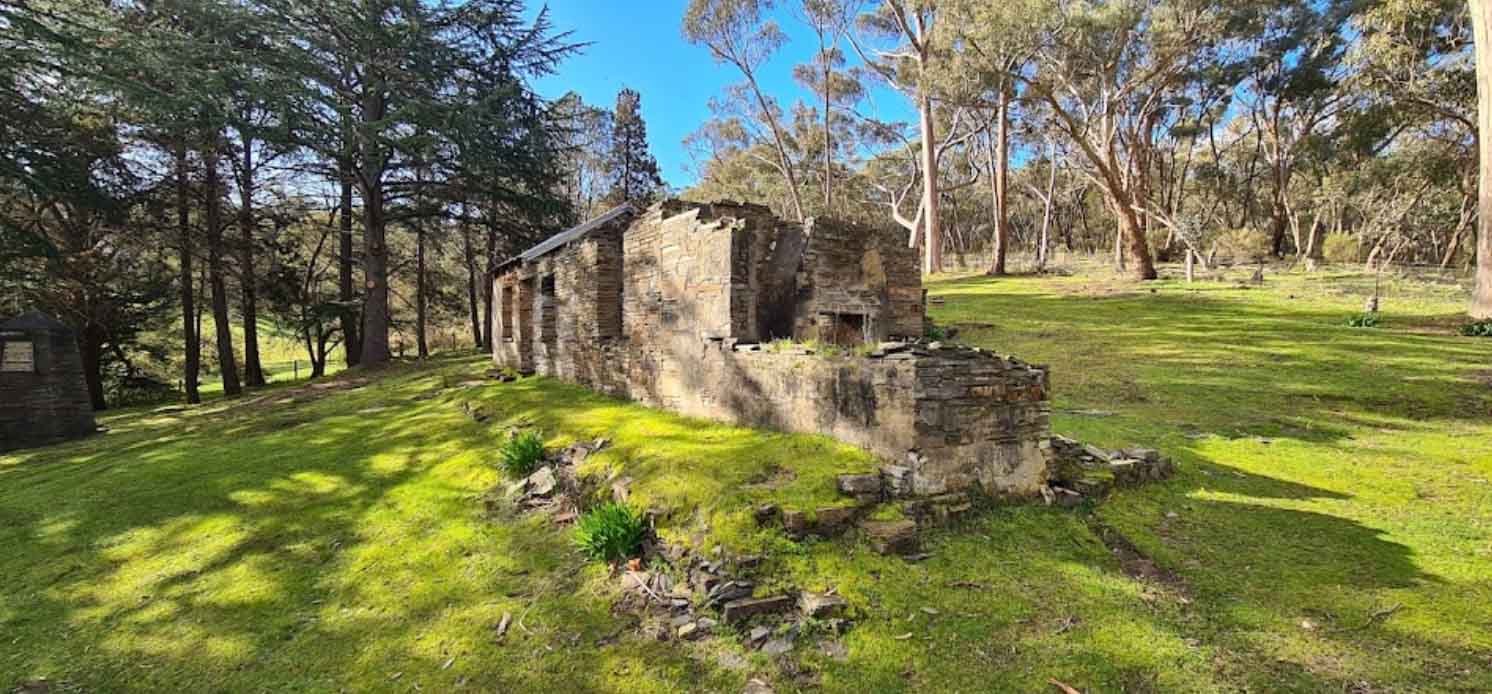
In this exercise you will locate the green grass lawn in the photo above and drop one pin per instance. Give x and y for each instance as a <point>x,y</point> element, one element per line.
<point>1330,529</point>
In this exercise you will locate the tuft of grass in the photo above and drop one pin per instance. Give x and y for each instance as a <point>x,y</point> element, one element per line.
<point>1481,328</point>
<point>1363,320</point>
<point>522,454</point>
<point>611,532</point>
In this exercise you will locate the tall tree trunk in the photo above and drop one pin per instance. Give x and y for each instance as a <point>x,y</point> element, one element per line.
<point>91,348</point>
<point>828,81</point>
<point>1000,182</point>
<point>779,142</point>
<point>375,334</point>
<point>1044,249</point>
<point>213,218</point>
<point>932,229</point>
<point>471,285</point>
<point>253,372</point>
<point>489,274</point>
<point>1139,248</point>
<point>420,297</point>
<point>193,360</point>
<point>1481,21</point>
<point>352,343</point>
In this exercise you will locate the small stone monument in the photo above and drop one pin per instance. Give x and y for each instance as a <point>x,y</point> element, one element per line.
<point>43,396</point>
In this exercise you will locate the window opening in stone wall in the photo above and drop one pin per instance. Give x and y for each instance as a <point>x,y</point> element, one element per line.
<point>17,357</point>
<point>549,305</point>
<point>844,329</point>
<point>509,317</point>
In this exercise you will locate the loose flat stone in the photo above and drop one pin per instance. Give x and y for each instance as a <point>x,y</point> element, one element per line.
<point>892,537</point>
<point>745,608</point>
<point>821,605</point>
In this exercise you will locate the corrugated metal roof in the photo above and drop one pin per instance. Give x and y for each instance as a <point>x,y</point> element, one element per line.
<point>575,232</point>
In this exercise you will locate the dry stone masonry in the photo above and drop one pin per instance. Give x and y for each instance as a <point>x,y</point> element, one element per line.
<point>724,311</point>
<point>43,396</point>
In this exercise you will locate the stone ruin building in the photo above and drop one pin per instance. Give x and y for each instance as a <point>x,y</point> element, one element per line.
<point>723,311</point>
<point>43,397</point>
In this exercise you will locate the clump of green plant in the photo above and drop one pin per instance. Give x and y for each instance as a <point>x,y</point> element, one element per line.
<point>1339,247</point>
<point>611,532</point>
<point>1481,328</point>
<point>935,333</point>
<point>1245,245</point>
<point>1364,320</point>
<point>522,454</point>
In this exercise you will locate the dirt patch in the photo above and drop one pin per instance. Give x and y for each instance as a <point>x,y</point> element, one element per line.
<point>1135,564</point>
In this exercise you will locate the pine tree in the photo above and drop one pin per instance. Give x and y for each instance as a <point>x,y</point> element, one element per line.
<point>634,170</point>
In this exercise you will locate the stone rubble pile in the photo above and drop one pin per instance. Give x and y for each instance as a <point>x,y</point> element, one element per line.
<point>686,596</point>
<point>1084,471</point>
<point>554,487</point>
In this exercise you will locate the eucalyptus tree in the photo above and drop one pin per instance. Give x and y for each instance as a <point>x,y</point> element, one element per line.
<point>825,76</point>
<point>585,139</point>
<point>910,64</point>
<point>1481,20</point>
<point>736,33</point>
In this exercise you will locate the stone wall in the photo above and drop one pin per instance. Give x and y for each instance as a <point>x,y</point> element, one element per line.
<point>50,401</point>
<point>676,307</point>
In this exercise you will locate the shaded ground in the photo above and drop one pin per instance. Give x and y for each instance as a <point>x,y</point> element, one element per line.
<point>1330,530</point>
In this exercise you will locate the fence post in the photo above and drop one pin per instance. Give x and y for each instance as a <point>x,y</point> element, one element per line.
<point>295,365</point>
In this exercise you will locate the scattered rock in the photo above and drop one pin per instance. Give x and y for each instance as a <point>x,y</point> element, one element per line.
<point>475,412</point>
<point>756,686</point>
<point>856,485</point>
<point>892,537</point>
<point>766,514</point>
<point>778,646</point>
<point>835,650</point>
<point>691,631</point>
<point>621,489</point>
<point>728,592</point>
<point>740,610</point>
<point>1066,498</point>
<point>820,605</point>
<point>757,636</point>
<point>541,483</point>
<point>897,480</point>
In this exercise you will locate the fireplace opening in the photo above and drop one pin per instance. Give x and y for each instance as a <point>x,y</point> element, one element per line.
<point>844,329</point>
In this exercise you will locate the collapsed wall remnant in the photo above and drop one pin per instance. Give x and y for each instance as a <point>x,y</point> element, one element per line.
<point>724,311</point>
<point>43,395</point>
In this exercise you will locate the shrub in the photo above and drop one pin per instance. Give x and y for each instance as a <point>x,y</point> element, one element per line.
<point>611,533</point>
<point>522,454</point>
<point>1363,320</point>
<point>1481,328</point>
<point>1245,245</point>
<point>1339,248</point>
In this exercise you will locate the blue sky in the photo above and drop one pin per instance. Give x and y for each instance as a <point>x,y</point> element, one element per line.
<point>638,44</point>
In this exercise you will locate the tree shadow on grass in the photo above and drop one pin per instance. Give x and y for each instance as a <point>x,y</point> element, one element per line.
<point>1232,362</point>
<point>348,555</point>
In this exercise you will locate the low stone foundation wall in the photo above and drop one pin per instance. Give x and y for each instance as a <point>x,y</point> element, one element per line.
<point>945,420</point>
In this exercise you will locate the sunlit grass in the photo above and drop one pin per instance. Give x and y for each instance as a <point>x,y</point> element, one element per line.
<point>1330,529</point>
